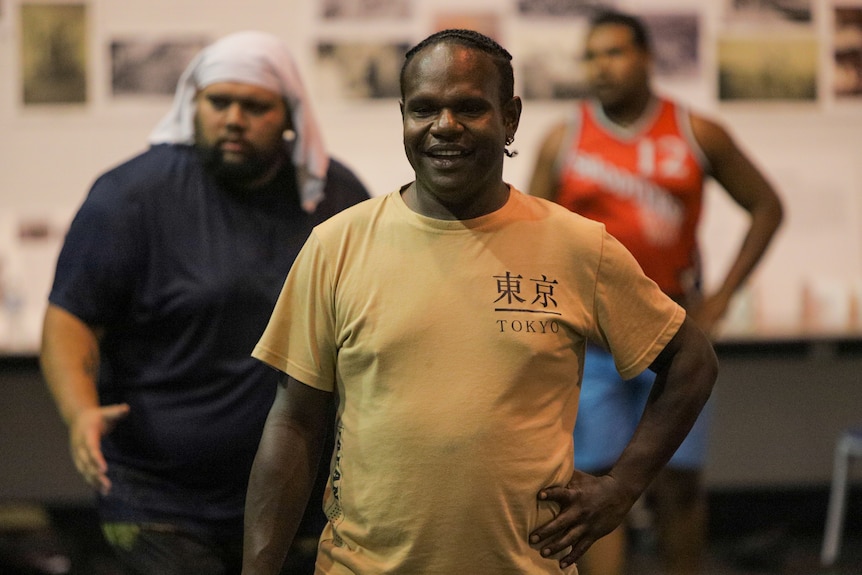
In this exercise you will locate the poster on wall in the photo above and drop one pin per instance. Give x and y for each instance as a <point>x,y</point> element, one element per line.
<point>359,70</point>
<point>29,245</point>
<point>847,52</point>
<point>767,69</point>
<point>54,53</point>
<point>562,8</point>
<point>365,9</point>
<point>768,12</point>
<point>487,23</point>
<point>150,67</point>
<point>549,62</point>
<point>676,43</point>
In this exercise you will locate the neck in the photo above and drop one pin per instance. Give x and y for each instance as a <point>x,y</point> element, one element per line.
<point>429,204</point>
<point>629,111</point>
<point>268,175</point>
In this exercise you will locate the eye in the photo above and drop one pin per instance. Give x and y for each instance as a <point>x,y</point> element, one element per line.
<point>422,111</point>
<point>473,109</point>
<point>219,102</point>
<point>256,108</point>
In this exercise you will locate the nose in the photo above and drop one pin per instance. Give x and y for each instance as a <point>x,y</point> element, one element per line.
<point>235,115</point>
<point>445,122</point>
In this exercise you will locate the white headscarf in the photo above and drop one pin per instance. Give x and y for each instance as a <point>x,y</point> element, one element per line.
<point>261,60</point>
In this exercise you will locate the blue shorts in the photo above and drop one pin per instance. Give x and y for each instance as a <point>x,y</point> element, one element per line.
<point>609,411</point>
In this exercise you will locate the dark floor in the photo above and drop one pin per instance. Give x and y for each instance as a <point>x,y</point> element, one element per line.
<point>785,541</point>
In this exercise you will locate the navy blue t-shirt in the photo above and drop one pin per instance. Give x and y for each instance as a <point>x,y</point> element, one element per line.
<point>182,274</point>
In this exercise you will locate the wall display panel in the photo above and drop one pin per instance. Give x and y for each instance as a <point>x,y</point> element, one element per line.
<point>562,8</point>
<point>148,66</point>
<point>348,70</point>
<point>488,23</point>
<point>783,68</point>
<point>365,9</point>
<point>796,110</point>
<point>53,53</point>
<point>847,52</point>
<point>675,42</point>
<point>769,12</point>
<point>549,63</point>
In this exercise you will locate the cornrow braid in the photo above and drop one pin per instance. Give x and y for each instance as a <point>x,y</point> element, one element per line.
<point>471,39</point>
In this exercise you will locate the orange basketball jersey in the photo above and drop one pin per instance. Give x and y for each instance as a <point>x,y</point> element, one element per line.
<point>645,182</point>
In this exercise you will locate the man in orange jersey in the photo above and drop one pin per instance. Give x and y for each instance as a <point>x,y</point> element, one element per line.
<point>637,162</point>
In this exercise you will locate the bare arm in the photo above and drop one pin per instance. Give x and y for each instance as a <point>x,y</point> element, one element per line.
<point>69,360</point>
<point>544,181</point>
<point>748,188</point>
<point>591,507</point>
<point>283,474</point>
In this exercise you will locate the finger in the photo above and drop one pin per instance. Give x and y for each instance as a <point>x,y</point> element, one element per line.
<point>557,535</point>
<point>114,413</point>
<point>557,494</point>
<point>573,556</point>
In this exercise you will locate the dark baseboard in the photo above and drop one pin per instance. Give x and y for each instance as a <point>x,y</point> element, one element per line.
<point>795,511</point>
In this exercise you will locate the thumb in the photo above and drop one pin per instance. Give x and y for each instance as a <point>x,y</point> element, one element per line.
<point>554,493</point>
<point>114,413</point>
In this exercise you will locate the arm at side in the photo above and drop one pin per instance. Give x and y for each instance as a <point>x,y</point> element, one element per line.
<point>283,474</point>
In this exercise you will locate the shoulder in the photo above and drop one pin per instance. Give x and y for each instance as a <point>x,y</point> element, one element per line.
<point>120,193</point>
<point>355,216</point>
<point>341,190</point>
<point>557,220</point>
<point>341,179</point>
<point>710,135</point>
<point>148,170</point>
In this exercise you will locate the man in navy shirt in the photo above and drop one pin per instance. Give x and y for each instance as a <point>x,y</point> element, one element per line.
<point>168,275</point>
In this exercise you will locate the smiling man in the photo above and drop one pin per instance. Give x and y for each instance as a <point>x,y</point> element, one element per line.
<point>449,319</point>
<point>169,271</point>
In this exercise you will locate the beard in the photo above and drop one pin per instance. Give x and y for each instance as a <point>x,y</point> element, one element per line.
<point>237,174</point>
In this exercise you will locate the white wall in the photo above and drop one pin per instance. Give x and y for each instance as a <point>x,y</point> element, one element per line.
<point>51,154</point>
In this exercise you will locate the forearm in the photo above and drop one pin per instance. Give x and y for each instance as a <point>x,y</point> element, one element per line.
<point>69,361</point>
<point>280,484</point>
<point>765,221</point>
<point>680,391</point>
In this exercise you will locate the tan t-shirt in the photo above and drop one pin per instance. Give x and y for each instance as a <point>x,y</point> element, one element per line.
<point>456,350</point>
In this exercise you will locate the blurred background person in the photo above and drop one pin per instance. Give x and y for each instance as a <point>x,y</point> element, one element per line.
<point>637,162</point>
<point>168,274</point>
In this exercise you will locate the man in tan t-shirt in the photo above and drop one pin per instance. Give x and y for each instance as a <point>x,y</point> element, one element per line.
<point>449,320</point>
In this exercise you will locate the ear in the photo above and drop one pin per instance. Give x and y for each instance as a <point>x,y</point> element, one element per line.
<point>512,116</point>
<point>288,117</point>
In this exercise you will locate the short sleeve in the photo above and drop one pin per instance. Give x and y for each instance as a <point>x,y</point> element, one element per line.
<point>102,249</point>
<point>299,339</point>
<point>634,318</point>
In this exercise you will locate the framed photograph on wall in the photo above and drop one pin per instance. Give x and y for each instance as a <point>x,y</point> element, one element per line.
<point>550,62</point>
<point>365,9</point>
<point>768,12</point>
<point>150,66</point>
<point>562,8</point>
<point>360,69</point>
<point>847,53</point>
<point>487,23</point>
<point>768,69</point>
<point>54,53</point>
<point>676,43</point>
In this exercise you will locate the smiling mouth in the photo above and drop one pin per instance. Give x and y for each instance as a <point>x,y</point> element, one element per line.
<point>444,157</point>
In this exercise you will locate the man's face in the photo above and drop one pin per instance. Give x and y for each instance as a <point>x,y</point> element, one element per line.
<point>455,126</point>
<point>617,69</point>
<point>240,128</point>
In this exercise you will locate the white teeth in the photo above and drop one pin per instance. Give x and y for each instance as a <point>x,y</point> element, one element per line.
<point>446,153</point>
